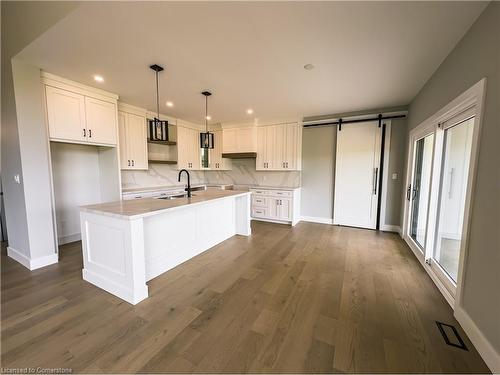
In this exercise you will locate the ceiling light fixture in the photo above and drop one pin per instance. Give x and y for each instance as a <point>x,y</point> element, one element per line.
<point>170,104</point>
<point>98,78</point>
<point>250,111</point>
<point>309,67</point>
<point>158,129</point>
<point>207,138</point>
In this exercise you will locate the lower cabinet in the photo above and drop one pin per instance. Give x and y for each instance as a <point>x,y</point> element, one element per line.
<point>276,205</point>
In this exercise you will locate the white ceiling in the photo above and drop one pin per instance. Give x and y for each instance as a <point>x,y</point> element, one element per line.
<point>251,54</point>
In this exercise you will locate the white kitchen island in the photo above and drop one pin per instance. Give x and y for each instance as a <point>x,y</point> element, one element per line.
<point>127,243</point>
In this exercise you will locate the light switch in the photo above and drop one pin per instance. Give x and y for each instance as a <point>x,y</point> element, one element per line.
<point>17,178</point>
<point>394,176</point>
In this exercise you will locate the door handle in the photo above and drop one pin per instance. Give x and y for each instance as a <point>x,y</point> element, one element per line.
<point>408,193</point>
<point>375,178</point>
<point>415,192</point>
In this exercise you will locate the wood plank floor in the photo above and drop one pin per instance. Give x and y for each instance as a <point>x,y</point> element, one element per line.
<point>310,299</point>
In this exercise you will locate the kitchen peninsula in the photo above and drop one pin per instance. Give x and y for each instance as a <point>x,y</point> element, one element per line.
<point>127,243</point>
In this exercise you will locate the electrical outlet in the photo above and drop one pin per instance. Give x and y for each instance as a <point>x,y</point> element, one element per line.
<point>17,178</point>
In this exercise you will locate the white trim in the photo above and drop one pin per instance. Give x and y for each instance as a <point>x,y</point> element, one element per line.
<point>285,222</point>
<point>32,264</point>
<point>320,220</point>
<point>391,228</point>
<point>66,84</point>
<point>124,107</point>
<point>69,238</point>
<point>385,177</point>
<point>490,356</point>
<point>367,116</point>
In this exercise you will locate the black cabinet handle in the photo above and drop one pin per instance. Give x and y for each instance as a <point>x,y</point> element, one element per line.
<point>408,192</point>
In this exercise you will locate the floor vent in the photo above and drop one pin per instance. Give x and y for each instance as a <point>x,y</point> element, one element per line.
<point>449,331</point>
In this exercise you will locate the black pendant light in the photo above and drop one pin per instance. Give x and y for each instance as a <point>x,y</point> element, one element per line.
<point>207,138</point>
<point>158,129</point>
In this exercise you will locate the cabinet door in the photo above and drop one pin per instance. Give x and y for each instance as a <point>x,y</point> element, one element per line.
<point>183,147</point>
<point>137,141</point>
<point>229,141</point>
<point>123,144</point>
<point>290,151</point>
<point>194,151</point>
<point>65,114</point>
<point>260,162</point>
<point>271,144</point>
<point>274,209</point>
<point>101,121</point>
<point>279,147</point>
<point>285,209</point>
<point>246,140</point>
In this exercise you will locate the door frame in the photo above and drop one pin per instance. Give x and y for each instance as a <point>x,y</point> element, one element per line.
<point>473,98</point>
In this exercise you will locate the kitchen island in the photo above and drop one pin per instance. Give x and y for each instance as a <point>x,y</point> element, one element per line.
<point>127,243</point>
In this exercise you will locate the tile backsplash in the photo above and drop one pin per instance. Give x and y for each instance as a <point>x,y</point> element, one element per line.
<point>243,173</point>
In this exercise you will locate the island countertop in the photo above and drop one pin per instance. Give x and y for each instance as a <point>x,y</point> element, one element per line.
<point>133,209</point>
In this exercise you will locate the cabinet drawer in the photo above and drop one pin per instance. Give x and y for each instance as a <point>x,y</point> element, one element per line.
<point>259,212</point>
<point>259,191</point>
<point>259,201</point>
<point>280,193</point>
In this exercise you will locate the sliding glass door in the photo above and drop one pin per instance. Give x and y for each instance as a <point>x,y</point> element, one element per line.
<point>456,156</point>
<point>418,192</point>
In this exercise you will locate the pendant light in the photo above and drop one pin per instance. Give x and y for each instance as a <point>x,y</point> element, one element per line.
<point>207,138</point>
<point>158,129</point>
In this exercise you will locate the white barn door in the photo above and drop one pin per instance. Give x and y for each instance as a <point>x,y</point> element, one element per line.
<point>357,173</point>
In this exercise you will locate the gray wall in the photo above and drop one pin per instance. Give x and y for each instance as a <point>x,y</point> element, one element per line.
<point>318,161</point>
<point>476,56</point>
<point>396,165</point>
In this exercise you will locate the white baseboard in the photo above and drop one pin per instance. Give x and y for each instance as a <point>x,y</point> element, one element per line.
<point>391,228</point>
<point>320,220</point>
<point>32,264</point>
<point>483,346</point>
<point>69,238</point>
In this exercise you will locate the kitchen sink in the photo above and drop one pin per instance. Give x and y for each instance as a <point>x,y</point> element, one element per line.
<point>171,197</point>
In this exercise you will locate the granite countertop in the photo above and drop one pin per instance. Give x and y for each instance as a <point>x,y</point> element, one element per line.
<point>136,208</point>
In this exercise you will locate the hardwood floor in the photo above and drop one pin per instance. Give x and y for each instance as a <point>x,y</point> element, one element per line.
<point>310,299</point>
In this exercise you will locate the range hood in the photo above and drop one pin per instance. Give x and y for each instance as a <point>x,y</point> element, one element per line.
<point>239,155</point>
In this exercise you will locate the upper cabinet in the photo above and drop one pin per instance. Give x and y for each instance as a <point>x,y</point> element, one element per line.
<point>78,113</point>
<point>188,148</point>
<point>238,140</point>
<point>65,114</point>
<point>216,161</point>
<point>279,147</point>
<point>132,130</point>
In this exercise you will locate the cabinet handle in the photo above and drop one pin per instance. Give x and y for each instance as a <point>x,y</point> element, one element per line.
<point>287,164</point>
<point>129,163</point>
<point>84,133</point>
<point>133,163</point>
<point>90,133</point>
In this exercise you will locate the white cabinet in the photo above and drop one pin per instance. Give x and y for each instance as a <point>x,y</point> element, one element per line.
<point>239,140</point>
<point>279,147</point>
<point>276,205</point>
<point>78,118</point>
<point>132,130</point>
<point>216,161</point>
<point>266,148</point>
<point>188,148</point>
<point>65,114</point>
<point>101,121</point>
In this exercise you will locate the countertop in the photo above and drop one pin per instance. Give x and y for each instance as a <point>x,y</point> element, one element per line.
<point>136,208</point>
<point>171,187</point>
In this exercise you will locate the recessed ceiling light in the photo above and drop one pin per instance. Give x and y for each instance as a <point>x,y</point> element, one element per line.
<point>170,104</point>
<point>309,67</point>
<point>209,117</point>
<point>249,111</point>
<point>98,78</point>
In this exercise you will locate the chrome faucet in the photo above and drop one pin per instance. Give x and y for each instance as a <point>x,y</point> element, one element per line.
<point>188,189</point>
